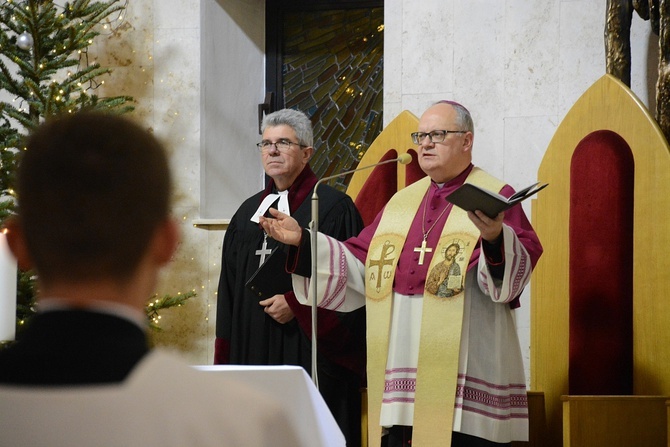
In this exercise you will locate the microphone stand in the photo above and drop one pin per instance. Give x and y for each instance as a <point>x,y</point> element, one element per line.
<point>313,230</point>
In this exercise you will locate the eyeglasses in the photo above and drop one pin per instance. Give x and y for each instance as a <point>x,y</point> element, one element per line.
<point>282,145</point>
<point>435,136</point>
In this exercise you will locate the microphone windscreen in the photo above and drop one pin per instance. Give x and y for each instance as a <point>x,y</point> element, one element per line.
<point>405,159</point>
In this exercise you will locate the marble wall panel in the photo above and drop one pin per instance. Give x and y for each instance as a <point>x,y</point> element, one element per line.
<point>531,51</point>
<point>526,140</point>
<point>488,150</point>
<point>126,39</point>
<point>644,61</point>
<point>177,108</point>
<point>392,65</point>
<point>580,22</point>
<point>126,46</point>
<point>138,83</point>
<point>427,46</point>
<point>232,47</point>
<point>175,14</point>
<point>479,53</point>
<point>177,122</point>
<point>185,329</point>
<point>391,110</point>
<point>479,56</point>
<point>418,103</point>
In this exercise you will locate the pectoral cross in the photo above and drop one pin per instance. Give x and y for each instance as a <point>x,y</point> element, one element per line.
<point>264,251</point>
<point>422,250</point>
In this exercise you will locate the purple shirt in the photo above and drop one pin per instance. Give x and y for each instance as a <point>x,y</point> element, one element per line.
<point>410,277</point>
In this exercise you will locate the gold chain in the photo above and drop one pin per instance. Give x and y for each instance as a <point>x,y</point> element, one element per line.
<point>423,222</point>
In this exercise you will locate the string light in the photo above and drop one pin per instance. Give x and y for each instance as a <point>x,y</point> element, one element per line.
<point>109,26</point>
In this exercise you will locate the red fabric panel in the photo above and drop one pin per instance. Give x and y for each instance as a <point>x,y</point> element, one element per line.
<point>601,266</point>
<point>413,171</point>
<point>221,351</point>
<point>381,184</point>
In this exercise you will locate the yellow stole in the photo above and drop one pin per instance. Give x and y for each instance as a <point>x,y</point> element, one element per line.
<point>442,316</point>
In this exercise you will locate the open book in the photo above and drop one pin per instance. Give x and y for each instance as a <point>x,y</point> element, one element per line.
<point>471,197</point>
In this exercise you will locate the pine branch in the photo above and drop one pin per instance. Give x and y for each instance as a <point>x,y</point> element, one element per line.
<point>22,117</point>
<point>156,305</point>
<point>6,209</point>
<point>60,42</point>
<point>49,77</point>
<point>26,307</point>
<point>6,80</point>
<point>52,77</point>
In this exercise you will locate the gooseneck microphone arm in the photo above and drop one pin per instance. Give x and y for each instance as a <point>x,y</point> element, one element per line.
<point>314,229</point>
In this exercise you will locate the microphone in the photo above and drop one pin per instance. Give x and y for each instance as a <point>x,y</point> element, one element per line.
<point>314,228</point>
<point>404,159</point>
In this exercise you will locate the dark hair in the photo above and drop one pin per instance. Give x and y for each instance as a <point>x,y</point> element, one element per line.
<point>92,189</point>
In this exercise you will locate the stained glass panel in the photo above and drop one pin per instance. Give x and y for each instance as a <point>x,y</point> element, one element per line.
<point>333,71</point>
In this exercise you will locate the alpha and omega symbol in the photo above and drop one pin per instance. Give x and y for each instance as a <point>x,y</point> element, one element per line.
<point>384,260</point>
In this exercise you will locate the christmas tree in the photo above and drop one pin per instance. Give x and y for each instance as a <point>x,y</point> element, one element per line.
<point>45,71</point>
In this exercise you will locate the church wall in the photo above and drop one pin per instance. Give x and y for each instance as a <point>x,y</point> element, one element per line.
<point>518,65</point>
<point>155,55</point>
<point>176,119</point>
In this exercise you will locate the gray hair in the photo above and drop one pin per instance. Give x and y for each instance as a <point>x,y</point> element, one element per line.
<point>295,119</point>
<point>463,117</point>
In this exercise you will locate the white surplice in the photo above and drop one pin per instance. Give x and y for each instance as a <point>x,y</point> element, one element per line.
<point>491,399</point>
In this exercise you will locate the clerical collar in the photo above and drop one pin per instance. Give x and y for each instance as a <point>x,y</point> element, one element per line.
<point>282,206</point>
<point>458,180</point>
<point>297,192</point>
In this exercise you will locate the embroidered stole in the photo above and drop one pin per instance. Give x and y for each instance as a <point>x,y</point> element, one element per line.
<point>442,315</point>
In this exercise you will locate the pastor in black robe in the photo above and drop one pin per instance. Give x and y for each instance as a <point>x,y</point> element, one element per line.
<point>246,335</point>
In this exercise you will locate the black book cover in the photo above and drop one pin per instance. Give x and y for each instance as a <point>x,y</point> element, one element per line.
<point>271,278</point>
<point>471,197</point>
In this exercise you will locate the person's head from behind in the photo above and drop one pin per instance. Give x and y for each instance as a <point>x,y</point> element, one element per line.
<point>93,201</point>
<point>445,136</point>
<point>286,145</point>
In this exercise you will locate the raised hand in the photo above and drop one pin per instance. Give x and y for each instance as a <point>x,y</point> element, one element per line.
<point>282,227</point>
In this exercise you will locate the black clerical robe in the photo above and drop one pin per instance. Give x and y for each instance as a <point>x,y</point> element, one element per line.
<point>247,335</point>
